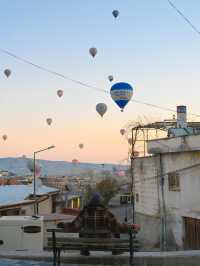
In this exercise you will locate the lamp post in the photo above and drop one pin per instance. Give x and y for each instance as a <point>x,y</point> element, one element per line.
<point>34,176</point>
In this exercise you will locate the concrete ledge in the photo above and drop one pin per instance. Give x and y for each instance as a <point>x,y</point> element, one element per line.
<point>176,258</point>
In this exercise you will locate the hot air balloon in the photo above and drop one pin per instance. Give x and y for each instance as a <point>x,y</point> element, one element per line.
<point>122,131</point>
<point>60,93</point>
<point>49,121</point>
<point>110,78</point>
<point>120,173</point>
<point>75,161</point>
<point>115,13</point>
<point>7,72</point>
<point>81,145</point>
<point>101,108</point>
<point>30,166</point>
<point>37,170</point>
<point>121,94</point>
<point>4,137</point>
<point>93,51</point>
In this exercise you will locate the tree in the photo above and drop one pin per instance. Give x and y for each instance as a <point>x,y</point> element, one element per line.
<point>108,188</point>
<point>88,193</point>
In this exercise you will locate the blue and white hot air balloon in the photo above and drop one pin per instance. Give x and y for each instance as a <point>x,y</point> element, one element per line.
<point>121,94</point>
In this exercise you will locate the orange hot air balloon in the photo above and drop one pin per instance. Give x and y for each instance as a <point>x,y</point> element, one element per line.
<point>60,93</point>
<point>49,121</point>
<point>120,173</point>
<point>81,145</point>
<point>75,161</point>
<point>122,131</point>
<point>30,166</point>
<point>4,137</point>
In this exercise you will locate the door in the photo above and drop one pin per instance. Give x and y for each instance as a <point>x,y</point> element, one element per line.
<point>192,233</point>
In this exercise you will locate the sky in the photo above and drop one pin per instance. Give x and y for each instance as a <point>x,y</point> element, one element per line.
<point>149,46</point>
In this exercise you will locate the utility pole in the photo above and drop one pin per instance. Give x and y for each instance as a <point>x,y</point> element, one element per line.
<point>163,233</point>
<point>131,233</point>
<point>132,181</point>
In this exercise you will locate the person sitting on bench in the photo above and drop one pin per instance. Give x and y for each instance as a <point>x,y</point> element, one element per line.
<point>96,221</point>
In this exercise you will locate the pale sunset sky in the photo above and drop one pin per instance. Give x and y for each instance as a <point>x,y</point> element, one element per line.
<point>149,46</point>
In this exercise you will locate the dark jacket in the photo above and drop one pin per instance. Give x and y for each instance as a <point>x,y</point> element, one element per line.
<point>95,221</point>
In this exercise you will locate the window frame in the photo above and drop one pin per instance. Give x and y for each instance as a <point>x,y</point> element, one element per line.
<point>174,181</point>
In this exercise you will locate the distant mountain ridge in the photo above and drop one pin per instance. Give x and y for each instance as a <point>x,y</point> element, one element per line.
<point>19,166</point>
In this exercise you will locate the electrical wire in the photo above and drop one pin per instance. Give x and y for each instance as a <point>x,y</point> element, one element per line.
<point>155,177</point>
<point>187,20</point>
<point>19,58</point>
<point>55,73</point>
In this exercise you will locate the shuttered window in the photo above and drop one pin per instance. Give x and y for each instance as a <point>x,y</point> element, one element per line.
<point>174,181</point>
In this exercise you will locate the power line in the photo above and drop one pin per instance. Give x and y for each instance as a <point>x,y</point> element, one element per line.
<point>60,75</point>
<point>187,20</point>
<point>19,58</point>
<point>155,177</point>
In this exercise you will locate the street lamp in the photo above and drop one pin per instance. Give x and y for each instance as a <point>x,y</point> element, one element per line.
<point>34,176</point>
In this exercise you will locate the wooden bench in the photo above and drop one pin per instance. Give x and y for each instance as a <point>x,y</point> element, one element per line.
<point>58,243</point>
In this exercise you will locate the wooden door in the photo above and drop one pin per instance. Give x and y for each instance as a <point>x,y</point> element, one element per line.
<point>192,233</point>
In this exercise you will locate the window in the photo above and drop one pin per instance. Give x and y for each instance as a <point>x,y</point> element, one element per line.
<point>173,181</point>
<point>126,199</point>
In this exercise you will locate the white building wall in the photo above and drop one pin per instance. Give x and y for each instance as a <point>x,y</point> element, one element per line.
<point>176,144</point>
<point>44,207</point>
<point>186,202</point>
<point>28,209</point>
<point>179,204</point>
<point>145,170</point>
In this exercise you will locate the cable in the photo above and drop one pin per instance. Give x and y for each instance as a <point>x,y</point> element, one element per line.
<point>161,107</point>
<point>155,177</point>
<point>50,71</point>
<point>184,17</point>
<point>55,73</point>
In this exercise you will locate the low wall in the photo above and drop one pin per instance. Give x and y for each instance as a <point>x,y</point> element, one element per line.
<point>176,258</point>
<point>149,234</point>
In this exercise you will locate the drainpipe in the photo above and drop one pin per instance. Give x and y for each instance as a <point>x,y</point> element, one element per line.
<point>163,235</point>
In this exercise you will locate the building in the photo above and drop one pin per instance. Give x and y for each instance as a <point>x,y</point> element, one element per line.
<point>18,200</point>
<point>7,178</point>
<point>167,184</point>
<point>59,182</point>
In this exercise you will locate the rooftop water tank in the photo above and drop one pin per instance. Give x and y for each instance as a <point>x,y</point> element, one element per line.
<point>181,116</point>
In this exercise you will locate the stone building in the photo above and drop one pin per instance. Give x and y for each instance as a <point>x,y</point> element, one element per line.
<point>167,185</point>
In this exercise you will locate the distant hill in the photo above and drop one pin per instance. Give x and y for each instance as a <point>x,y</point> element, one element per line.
<point>19,167</point>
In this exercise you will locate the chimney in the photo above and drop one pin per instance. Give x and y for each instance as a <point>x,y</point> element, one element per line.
<point>181,116</point>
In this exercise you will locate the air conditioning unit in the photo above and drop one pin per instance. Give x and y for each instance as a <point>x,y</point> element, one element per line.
<point>21,233</point>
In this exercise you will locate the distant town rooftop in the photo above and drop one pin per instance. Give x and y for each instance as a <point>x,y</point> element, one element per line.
<point>18,193</point>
